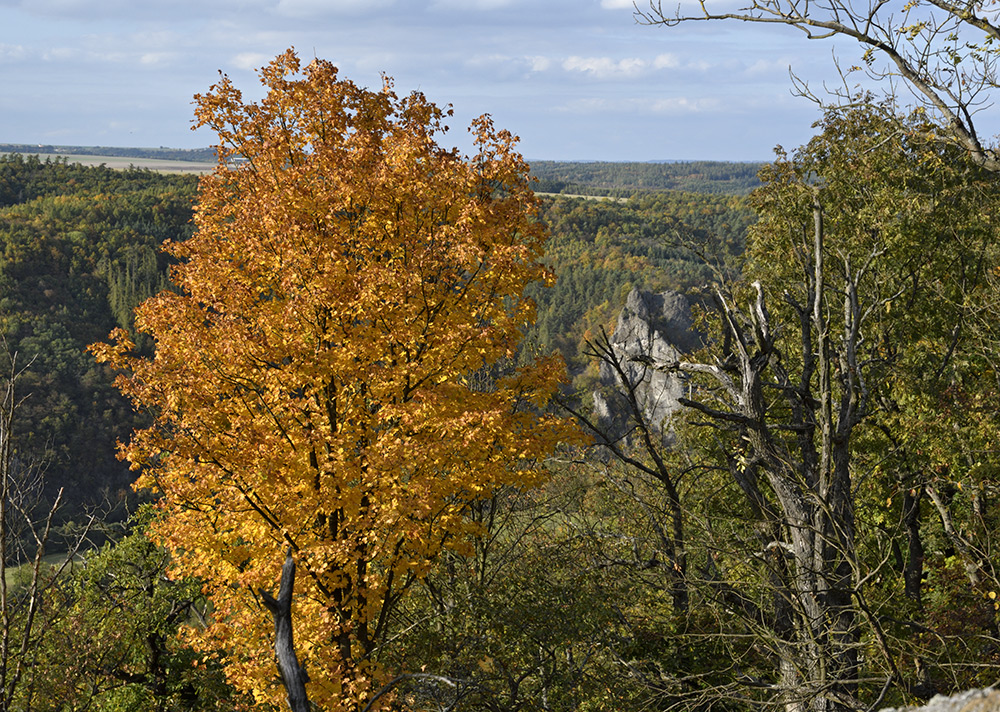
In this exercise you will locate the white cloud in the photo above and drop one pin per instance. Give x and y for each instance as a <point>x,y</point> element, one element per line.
<point>631,67</point>
<point>597,67</point>
<point>80,56</point>
<point>617,4</point>
<point>12,53</point>
<point>764,67</point>
<point>166,11</point>
<point>672,106</point>
<point>60,54</point>
<point>605,67</point>
<point>592,105</point>
<point>474,5</point>
<point>154,58</point>
<point>250,60</point>
<point>685,105</point>
<point>161,38</point>
<point>702,65</point>
<point>55,6</point>
<point>317,8</point>
<point>539,64</point>
<point>506,64</point>
<point>666,61</point>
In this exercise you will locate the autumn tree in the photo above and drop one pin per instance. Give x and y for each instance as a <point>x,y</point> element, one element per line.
<point>314,387</point>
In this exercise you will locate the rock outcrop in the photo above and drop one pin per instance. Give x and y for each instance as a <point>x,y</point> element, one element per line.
<point>651,328</point>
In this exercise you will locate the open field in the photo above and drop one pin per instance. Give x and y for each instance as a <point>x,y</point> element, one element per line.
<point>586,197</point>
<point>153,164</point>
<point>13,573</point>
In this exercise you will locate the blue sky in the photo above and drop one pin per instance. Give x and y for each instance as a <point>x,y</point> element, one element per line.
<point>575,79</point>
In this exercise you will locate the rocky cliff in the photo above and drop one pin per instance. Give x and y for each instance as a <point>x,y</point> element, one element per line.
<point>651,328</point>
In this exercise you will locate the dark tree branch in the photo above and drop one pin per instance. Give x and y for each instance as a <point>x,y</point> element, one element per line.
<point>921,49</point>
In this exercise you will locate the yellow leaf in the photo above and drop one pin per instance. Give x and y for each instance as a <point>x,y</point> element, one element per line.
<point>320,368</point>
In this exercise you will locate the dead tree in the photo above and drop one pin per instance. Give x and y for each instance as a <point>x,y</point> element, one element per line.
<point>791,405</point>
<point>941,50</point>
<point>26,528</point>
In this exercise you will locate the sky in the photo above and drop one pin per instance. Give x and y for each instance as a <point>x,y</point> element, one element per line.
<point>574,79</point>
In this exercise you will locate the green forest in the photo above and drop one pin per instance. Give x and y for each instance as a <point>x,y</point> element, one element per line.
<point>814,529</point>
<point>80,251</point>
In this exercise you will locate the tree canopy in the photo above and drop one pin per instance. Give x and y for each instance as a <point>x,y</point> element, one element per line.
<point>329,374</point>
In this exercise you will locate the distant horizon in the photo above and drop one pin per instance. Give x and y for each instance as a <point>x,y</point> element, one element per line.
<point>83,150</point>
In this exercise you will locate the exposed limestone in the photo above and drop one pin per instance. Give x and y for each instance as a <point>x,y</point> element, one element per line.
<point>656,328</point>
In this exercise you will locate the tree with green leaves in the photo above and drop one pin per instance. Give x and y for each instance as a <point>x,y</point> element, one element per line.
<point>115,643</point>
<point>817,475</point>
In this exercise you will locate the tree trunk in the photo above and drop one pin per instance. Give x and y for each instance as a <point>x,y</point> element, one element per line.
<point>293,676</point>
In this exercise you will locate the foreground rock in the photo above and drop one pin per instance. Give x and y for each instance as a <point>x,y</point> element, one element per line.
<point>987,700</point>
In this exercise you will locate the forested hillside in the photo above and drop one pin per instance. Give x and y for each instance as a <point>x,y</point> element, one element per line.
<point>625,179</point>
<point>814,530</point>
<point>79,252</point>
<point>81,249</point>
<point>601,249</point>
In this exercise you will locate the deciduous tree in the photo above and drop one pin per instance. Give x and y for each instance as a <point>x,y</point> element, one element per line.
<point>112,641</point>
<point>313,387</point>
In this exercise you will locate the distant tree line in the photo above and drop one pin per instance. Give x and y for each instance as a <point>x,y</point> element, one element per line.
<point>625,178</point>
<point>196,155</point>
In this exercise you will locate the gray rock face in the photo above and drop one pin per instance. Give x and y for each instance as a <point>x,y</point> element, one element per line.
<point>987,700</point>
<point>667,314</point>
<point>656,328</point>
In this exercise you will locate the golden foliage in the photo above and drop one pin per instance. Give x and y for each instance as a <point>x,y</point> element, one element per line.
<point>318,376</point>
